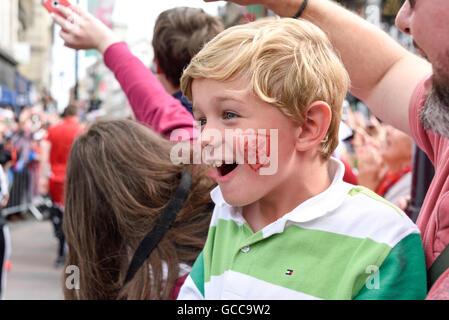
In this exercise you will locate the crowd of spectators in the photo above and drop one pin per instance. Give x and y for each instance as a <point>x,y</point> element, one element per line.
<point>21,134</point>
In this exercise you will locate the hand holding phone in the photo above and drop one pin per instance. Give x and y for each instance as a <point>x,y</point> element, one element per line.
<point>50,5</point>
<point>81,31</point>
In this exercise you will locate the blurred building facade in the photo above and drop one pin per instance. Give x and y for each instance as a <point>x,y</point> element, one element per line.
<point>25,47</point>
<point>9,28</point>
<point>38,36</point>
<point>9,24</point>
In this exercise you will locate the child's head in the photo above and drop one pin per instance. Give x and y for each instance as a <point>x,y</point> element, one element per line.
<point>119,179</point>
<point>179,34</point>
<point>287,63</point>
<point>70,111</point>
<point>281,76</point>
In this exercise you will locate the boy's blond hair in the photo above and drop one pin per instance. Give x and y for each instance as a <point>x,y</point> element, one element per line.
<point>289,63</point>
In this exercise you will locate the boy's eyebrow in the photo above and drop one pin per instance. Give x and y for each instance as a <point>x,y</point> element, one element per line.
<point>219,99</point>
<point>226,98</point>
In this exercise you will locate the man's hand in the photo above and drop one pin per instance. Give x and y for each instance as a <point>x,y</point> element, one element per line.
<point>81,30</point>
<point>404,202</point>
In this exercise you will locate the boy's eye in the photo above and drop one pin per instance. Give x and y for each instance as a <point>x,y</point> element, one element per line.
<point>202,122</point>
<point>229,115</point>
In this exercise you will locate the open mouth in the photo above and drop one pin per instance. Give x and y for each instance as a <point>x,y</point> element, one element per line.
<point>226,169</point>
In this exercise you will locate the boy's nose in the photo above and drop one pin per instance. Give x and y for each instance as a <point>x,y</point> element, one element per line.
<point>210,137</point>
<point>403,18</point>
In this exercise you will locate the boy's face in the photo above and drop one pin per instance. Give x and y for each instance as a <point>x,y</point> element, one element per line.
<point>226,107</point>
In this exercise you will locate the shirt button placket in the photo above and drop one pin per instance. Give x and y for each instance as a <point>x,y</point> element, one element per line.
<point>246,249</point>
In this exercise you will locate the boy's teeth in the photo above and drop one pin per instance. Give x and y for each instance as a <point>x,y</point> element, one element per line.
<point>217,164</point>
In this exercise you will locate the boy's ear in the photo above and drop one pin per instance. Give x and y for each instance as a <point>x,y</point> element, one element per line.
<point>314,129</point>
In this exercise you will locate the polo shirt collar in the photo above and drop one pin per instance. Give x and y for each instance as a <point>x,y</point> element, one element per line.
<point>315,207</point>
<point>217,197</point>
<point>326,201</point>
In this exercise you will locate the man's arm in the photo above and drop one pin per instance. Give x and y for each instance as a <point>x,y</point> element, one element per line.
<point>151,103</point>
<point>44,167</point>
<point>383,74</point>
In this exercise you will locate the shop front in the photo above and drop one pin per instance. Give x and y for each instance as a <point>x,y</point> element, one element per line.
<point>7,97</point>
<point>7,79</point>
<point>23,89</point>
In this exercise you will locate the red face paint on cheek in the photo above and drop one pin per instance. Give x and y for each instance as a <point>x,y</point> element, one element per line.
<point>254,150</point>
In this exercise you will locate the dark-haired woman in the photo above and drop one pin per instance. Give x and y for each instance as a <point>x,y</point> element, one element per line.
<point>120,182</point>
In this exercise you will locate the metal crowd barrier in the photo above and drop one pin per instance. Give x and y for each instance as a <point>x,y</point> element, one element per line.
<point>24,194</point>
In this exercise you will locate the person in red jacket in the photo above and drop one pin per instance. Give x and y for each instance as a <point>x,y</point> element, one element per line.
<point>55,152</point>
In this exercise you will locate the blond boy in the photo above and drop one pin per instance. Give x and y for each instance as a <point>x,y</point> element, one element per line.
<point>300,233</point>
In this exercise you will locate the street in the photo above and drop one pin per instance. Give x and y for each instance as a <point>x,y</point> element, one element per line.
<point>33,275</point>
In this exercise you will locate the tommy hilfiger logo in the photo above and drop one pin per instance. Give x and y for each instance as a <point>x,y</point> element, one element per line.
<point>289,272</point>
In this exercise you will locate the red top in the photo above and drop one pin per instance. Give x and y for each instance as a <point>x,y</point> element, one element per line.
<point>61,137</point>
<point>177,287</point>
<point>391,178</point>
<point>349,176</point>
<point>433,220</point>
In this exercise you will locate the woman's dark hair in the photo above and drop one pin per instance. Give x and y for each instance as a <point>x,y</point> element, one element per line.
<point>119,179</point>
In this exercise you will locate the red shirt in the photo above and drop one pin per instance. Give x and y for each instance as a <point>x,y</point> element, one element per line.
<point>433,219</point>
<point>349,176</point>
<point>61,137</point>
<point>391,178</point>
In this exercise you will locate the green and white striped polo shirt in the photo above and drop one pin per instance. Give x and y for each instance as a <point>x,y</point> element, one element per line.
<point>345,243</point>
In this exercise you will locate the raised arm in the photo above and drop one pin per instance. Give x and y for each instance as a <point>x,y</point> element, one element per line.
<point>151,104</point>
<point>383,74</point>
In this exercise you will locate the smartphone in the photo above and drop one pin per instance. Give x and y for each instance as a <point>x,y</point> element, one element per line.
<point>50,5</point>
